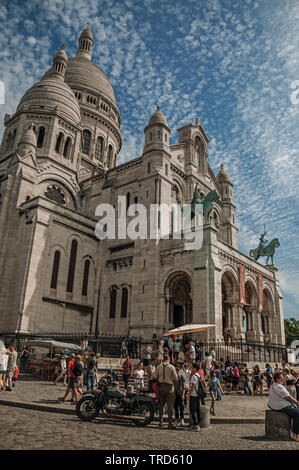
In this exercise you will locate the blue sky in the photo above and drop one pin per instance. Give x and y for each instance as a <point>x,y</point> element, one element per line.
<point>230,63</point>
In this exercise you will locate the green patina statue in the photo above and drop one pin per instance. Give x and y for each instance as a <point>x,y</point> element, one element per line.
<point>263,249</point>
<point>207,203</point>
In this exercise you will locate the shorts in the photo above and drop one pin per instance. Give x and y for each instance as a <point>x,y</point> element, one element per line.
<point>11,373</point>
<point>213,393</point>
<point>73,383</point>
<point>139,385</point>
<point>146,362</point>
<point>2,371</point>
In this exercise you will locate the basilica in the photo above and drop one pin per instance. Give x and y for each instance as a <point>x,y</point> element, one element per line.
<point>58,163</point>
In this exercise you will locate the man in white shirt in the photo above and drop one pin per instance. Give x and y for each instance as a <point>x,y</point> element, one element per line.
<point>280,400</point>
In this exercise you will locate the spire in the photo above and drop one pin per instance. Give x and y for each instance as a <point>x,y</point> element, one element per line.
<point>60,63</point>
<point>85,43</point>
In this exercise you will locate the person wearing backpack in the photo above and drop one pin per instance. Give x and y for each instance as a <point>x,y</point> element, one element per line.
<point>196,394</point>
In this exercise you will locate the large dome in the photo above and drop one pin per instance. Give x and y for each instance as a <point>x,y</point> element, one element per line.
<point>49,93</point>
<point>82,72</point>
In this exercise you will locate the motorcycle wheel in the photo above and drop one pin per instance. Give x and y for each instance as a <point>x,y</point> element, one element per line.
<point>87,409</point>
<point>145,410</point>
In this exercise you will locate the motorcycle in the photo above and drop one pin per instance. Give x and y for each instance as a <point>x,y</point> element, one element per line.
<point>114,402</point>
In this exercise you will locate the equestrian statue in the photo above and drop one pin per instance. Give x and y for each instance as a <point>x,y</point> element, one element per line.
<point>263,249</point>
<point>207,203</point>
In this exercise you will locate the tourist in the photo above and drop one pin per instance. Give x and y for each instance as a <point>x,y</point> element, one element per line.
<point>16,374</point>
<point>191,352</point>
<point>176,350</point>
<point>127,370</point>
<point>195,396</point>
<point>277,369</point>
<point>98,367</point>
<point>290,381</point>
<point>11,365</point>
<point>198,352</point>
<point>179,390</point>
<point>213,354</point>
<point>124,349</point>
<point>150,375</point>
<point>78,371</point>
<point>72,381</point>
<point>236,375</point>
<point>208,363</point>
<point>186,371</point>
<point>246,380</point>
<point>257,381</point>
<point>139,377</point>
<point>63,371</point>
<point>218,375</point>
<point>24,359</point>
<point>170,341</point>
<point>268,373</point>
<point>90,371</point>
<point>166,375</point>
<point>280,400</point>
<point>214,388</point>
<point>3,367</point>
<point>146,356</point>
<point>229,376</point>
<point>296,384</point>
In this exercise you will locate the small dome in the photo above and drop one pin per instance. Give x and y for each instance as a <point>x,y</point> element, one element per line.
<point>158,118</point>
<point>87,33</point>
<point>50,93</point>
<point>61,55</point>
<point>223,176</point>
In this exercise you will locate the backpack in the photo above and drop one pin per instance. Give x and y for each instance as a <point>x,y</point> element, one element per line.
<point>201,389</point>
<point>78,369</point>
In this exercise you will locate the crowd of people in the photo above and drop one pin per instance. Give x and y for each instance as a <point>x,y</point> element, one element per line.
<point>178,373</point>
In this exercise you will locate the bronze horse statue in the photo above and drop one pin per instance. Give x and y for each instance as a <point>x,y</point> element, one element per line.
<point>265,251</point>
<point>207,203</point>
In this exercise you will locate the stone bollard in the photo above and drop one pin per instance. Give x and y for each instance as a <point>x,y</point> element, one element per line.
<point>277,425</point>
<point>204,417</point>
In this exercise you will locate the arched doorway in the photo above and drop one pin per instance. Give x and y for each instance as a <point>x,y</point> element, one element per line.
<point>229,293</point>
<point>178,299</point>
<point>249,309</point>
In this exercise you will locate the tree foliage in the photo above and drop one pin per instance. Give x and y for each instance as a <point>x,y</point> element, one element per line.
<point>291,326</point>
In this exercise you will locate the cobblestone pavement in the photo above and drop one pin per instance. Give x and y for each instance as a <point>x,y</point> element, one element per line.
<point>37,430</point>
<point>40,392</point>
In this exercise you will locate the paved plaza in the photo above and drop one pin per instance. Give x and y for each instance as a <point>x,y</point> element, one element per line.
<point>238,425</point>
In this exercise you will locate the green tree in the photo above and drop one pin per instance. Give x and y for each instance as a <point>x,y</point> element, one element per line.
<point>291,326</point>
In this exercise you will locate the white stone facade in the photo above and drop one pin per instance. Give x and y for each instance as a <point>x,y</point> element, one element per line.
<point>58,162</point>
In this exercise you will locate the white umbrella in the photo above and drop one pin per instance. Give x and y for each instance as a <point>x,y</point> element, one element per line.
<point>190,328</point>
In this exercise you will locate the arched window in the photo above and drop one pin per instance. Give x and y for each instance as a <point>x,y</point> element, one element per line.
<point>67,147</point>
<point>55,270</point>
<point>85,277</point>
<point>86,141</point>
<point>109,156</point>
<point>41,137</point>
<point>99,148</point>
<point>112,302</point>
<point>59,142</point>
<point>72,265</point>
<point>8,141</point>
<point>13,138</point>
<point>148,168</point>
<point>124,302</point>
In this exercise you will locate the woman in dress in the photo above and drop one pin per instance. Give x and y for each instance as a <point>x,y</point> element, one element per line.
<point>214,387</point>
<point>257,380</point>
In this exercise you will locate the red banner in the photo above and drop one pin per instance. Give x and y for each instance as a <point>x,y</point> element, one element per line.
<point>261,294</point>
<point>242,284</point>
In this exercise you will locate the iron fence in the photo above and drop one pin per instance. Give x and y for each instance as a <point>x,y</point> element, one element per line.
<point>106,345</point>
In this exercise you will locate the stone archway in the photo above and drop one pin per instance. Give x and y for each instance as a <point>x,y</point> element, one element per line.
<point>229,293</point>
<point>178,299</point>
